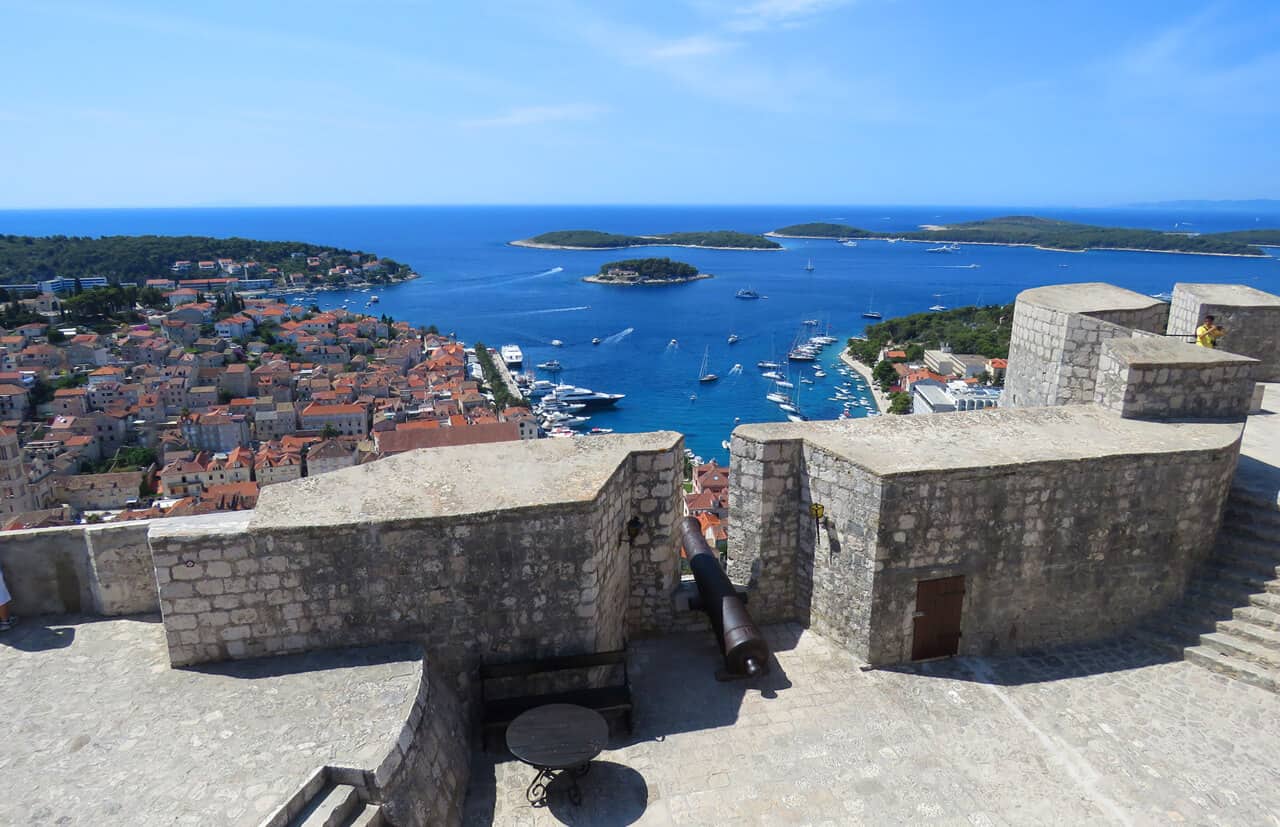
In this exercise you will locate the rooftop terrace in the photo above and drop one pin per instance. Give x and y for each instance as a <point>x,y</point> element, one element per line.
<point>1110,733</point>
<point>102,731</point>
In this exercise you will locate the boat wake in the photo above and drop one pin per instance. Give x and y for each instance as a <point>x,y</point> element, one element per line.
<point>957,266</point>
<point>619,336</point>
<point>551,310</point>
<point>551,272</point>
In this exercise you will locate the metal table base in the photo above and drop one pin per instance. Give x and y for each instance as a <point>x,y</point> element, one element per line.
<point>536,794</point>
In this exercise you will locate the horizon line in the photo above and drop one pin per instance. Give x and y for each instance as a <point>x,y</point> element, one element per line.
<point>624,204</point>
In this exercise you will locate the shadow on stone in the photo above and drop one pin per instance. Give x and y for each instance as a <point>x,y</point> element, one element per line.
<point>613,795</point>
<point>318,660</point>
<point>1043,665</point>
<point>37,635</point>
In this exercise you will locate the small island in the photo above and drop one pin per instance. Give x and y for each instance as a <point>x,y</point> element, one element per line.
<point>646,272</point>
<point>1050,234</point>
<point>597,240</point>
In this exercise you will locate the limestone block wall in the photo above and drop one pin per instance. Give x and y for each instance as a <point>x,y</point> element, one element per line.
<point>1251,317</point>
<point>423,781</point>
<point>654,489</point>
<point>483,553</point>
<point>1057,338</point>
<point>767,518</point>
<point>96,570</point>
<point>1159,378</point>
<point>837,557</point>
<point>1052,552</point>
<point>1068,523</point>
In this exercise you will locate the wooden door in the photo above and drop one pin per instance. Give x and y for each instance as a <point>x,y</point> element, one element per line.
<point>937,618</point>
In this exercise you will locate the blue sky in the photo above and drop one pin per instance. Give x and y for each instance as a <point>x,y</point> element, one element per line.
<point>1086,102</point>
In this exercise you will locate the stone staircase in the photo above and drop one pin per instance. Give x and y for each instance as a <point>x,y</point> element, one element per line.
<point>324,802</point>
<point>338,805</point>
<point>1229,619</point>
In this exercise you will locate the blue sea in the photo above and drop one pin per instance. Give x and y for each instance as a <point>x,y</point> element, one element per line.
<point>477,285</point>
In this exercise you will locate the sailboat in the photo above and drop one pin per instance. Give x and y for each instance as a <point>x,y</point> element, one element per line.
<point>809,265</point>
<point>872,314</point>
<point>705,375</point>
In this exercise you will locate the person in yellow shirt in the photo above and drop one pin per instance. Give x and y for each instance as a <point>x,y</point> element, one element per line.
<point>1208,333</point>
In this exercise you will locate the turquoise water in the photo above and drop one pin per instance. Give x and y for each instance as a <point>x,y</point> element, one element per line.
<point>477,285</point>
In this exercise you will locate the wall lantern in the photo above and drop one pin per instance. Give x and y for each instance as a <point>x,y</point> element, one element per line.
<point>633,529</point>
<point>817,511</point>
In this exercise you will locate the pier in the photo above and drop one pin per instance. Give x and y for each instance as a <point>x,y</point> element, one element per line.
<point>504,373</point>
<point>882,400</point>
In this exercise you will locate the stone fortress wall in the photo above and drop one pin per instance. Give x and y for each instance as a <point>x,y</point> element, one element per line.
<point>1250,316</point>
<point>506,551</point>
<point>1072,513</point>
<point>1057,338</point>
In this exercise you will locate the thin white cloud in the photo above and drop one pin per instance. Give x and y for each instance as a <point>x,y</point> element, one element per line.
<point>767,14</point>
<point>534,115</point>
<point>691,47</point>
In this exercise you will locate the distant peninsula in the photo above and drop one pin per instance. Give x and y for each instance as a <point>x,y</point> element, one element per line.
<point>597,240</point>
<point>1050,234</point>
<point>134,258</point>
<point>646,272</point>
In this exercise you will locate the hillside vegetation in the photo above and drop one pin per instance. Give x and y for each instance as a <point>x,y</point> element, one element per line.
<point>595,239</point>
<point>981,330</point>
<point>1060,235</point>
<point>131,258</point>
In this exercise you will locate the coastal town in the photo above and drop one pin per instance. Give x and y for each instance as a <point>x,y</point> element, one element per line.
<point>189,393</point>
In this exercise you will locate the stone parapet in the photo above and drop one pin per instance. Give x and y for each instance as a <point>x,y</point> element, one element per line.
<point>1068,523</point>
<point>1161,378</point>
<point>102,570</point>
<point>1250,316</point>
<point>1057,338</point>
<point>482,553</point>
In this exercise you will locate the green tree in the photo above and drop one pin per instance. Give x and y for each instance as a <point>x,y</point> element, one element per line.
<point>884,374</point>
<point>55,336</point>
<point>899,403</point>
<point>328,431</point>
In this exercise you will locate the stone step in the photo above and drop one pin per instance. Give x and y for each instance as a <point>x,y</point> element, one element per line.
<point>1266,600</point>
<point>369,816</point>
<point>1238,647</point>
<point>1232,667</point>
<point>1260,635</point>
<point>332,807</point>
<point>1257,616</point>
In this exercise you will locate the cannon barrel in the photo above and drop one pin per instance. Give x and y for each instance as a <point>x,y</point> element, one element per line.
<point>745,652</point>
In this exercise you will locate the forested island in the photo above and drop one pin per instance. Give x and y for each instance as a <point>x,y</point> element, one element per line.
<point>1051,234</point>
<point>646,272</point>
<point>26,259</point>
<point>597,240</point>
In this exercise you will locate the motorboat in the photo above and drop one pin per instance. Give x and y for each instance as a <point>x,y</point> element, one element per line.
<point>809,265</point>
<point>783,383</point>
<point>945,248</point>
<point>805,380</point>
<point>810,322</point>
<point>938,308</point>
<point>788,407</point>
<point>797,417</point>
<point>551,366</point>
<point>597,340</point>
<point>747,293</point>
<point>734,338</point>
<point>768,365</point>
<point>673,343</point>
<point>557,343</point>
<point>780,398</point>
<point>771,374</point>
<point>819,372</point>
<point>541,387</point>
<point>849,242</point>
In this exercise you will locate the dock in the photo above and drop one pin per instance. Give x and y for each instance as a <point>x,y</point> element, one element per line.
<point>505,374</point>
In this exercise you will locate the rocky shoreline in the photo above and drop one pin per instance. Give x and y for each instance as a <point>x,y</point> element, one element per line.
<point>599,279</point>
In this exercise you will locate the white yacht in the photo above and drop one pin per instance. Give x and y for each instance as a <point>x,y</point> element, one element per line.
<point>705,375</point>
<point>512,355</point>
<point>557,343</point>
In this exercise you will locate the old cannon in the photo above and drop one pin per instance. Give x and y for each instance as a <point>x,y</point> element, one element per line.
<point>745,652</point>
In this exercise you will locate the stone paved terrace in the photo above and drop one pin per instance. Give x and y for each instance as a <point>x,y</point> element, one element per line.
<point>100,731</point>
<point>1112,733</point>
